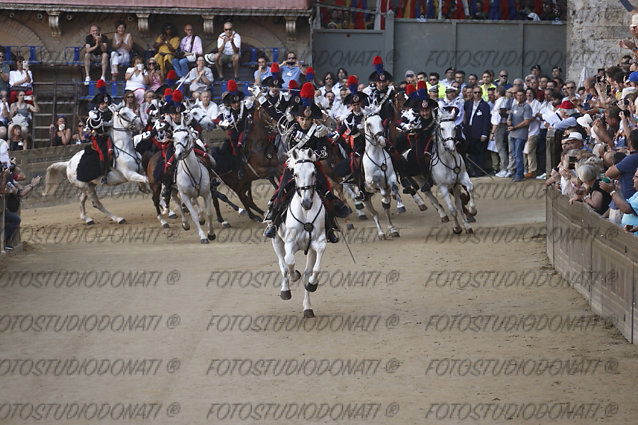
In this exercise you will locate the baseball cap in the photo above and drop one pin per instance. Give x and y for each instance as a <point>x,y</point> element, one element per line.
<point>584,121</point>
<point>567,104</point>
<point>434,88</point>
<point>574,135</point>
<point>409,72</point>
<point>633,77</point>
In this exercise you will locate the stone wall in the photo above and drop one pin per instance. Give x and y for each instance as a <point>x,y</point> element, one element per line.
<point>594,28</point>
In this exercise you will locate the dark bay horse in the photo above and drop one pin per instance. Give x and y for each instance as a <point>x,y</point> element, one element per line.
<point>259,161</point>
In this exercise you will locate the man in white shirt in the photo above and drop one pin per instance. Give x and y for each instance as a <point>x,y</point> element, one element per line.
<point>451,99</point>
<point>532,133</point>
<point>228,46</point>
<point>191,46</point>
<point>500,111</point>
<point>210,108</point>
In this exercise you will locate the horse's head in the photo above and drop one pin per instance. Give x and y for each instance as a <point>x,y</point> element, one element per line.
<point>302,164</point>
<point>447,127</point>
<point>374,129</point>
<point>182,141</point>
<point>127,119</point>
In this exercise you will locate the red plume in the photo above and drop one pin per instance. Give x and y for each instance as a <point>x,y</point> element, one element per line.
<point>307,91</point>
<point>410,89</point>
<point>274,68</point>
<point>352,80</point>
<point>420,85</point>
<point>168,92</point>
<point>232,86</point>
<point>292,84</point>
<point>177,96</point>
<point>377,60</point>
<point>309,70</point>
<point>100,83</point>
<point>172,75</point>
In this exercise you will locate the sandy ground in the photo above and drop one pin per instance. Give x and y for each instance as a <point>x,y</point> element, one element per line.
<point>137,324</point>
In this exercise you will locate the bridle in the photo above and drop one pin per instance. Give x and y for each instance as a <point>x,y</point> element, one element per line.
<point>188,148</point>
<point>308,226</point>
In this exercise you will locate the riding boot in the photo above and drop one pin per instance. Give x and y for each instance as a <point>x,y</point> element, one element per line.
<point>104,169</point>
<point>167,184</point>
<point>331,229</point>
<point>407,186</point>
<point>336,206</point>
<point>427,185</point>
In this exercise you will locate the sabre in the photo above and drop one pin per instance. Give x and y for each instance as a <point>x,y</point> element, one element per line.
<point>477,166</point>
<point>345,241</point>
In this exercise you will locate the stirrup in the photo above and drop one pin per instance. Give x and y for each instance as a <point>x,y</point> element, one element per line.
<point>271,231</point>
<point>331,236</point>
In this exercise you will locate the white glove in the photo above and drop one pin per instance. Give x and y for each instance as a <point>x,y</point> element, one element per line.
<point>254,90</point>
<point>93,115</point>
<point>137,139</point>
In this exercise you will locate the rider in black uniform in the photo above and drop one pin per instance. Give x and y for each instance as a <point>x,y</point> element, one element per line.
<point>99,120</point>
<point>234,119</point>
<point>302,135</point>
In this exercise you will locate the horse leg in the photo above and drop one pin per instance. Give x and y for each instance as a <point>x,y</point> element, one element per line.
<point>200,212</point>
<point>83,216</point>
<point>459,207</point>
<point>278,246</point>
<point>375,217</point>
<point>469,186</point>
<point>97,204</point>
<point>156,201</point>
<point>358,205</point>
<point>447,196</point>
<point>289,260</point>
<point>249,205</point>
<point>193,211</point>
<point>437,206</point>
<point>209,215</point>
<point>394,187</point>
<point>218,212</point>
<point>419,201</point>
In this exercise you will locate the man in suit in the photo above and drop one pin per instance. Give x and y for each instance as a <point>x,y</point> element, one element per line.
<point>476,127</point>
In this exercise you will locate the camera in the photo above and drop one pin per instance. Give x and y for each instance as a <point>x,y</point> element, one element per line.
<point>25,64</point>
<point>572,162</point>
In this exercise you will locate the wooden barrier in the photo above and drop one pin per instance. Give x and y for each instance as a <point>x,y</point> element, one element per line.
<point>598,258</point>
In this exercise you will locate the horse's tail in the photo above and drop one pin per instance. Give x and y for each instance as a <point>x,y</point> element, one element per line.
<point>55,175</point>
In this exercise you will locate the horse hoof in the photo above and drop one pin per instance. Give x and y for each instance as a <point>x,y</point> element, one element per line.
<point>310,287</point>
<point>350,226</point>
<point>225,224</point>
<point>381,237</point>
<point>257,219</point>
<point>204,241</point>
<point>295,276</point>
<point>363,217</point>
<point>121,221</point>
<point>358,206</point>
<point>202,221</point>
<point>186,226</point>
<point>471,219</point>
<point>423,208</point>
<point>401,210</point>
<point>165,226</point>
<point>172,215</point>
<point>242,211</point>
<point>285,295</point>
<point>90,222</point>
<point>469,231</point>
<point>457,230</point>
<point>308,314</point>
<point>212,236</point>
<point>445,219</point>
<point>395,234</point>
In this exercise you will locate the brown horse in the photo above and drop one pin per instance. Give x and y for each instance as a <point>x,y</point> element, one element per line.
<point>154,176</point>
<point>260,161</point>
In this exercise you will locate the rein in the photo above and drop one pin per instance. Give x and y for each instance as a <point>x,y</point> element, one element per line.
<point>437,157</point>
<point>308,226</point>
<point>187,152</point>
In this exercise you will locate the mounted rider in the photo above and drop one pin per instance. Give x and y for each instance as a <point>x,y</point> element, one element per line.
<point>99,121</point>
<point>306,133</point>
<point>418,123</point>
<point>382,93</point>
<point>233,118</point>
<point>352,134</point>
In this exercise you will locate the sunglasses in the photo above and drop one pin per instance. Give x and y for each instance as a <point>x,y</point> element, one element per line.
<point>503,76</point>
<point>130,97</point>
<point>228,29</point>
<point>478,92</point>
<point>410,75</point>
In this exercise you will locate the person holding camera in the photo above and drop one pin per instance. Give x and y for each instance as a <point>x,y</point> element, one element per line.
<point>166,45</point>
<point>137,79</point>
<point>290,69</point>
<point>228,45</point>
<point>60,133</point>
<point>95,48</point>
<point>20,79</point>
<point>122,45</point>
<point>81,134</point>
<point>13,191</point>
<point>20,112</point>
<point>4,114</point>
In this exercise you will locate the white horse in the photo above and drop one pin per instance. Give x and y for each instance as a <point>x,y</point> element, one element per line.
<point>303,228</point>
<point>379,172</point>
<point>128,165</point>
<point>448,169</point>
<point>192,181</point>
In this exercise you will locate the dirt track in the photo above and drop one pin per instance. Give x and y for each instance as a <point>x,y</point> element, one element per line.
<point>429,328</point>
